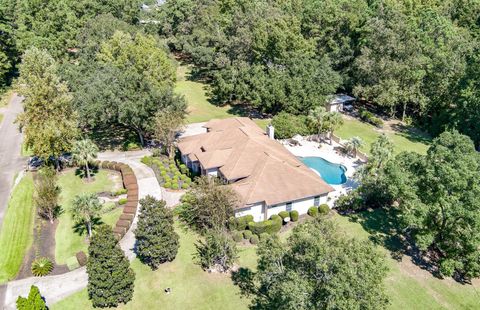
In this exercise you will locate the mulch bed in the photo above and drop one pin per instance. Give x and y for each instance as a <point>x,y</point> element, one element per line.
<point>43,246</point>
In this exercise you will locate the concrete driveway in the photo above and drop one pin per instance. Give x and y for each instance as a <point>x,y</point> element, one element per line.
<point>11,161</point>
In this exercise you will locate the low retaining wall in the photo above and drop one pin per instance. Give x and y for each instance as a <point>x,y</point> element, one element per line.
<point>130,183</point>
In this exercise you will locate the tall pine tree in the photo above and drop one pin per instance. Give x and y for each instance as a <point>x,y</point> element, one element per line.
<point>157,241</point>
<point>110,278</point>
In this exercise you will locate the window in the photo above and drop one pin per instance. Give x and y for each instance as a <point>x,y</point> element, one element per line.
<point>316,201</point>
<point>289,206</point>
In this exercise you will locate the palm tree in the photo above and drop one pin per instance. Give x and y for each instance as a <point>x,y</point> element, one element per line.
<point>85,208</point>
<point>331,121</point>
<point>316,119</point>
<point>353,145</point>
<point>84,152</point>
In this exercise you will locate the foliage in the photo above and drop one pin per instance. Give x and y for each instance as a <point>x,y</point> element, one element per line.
<point>312,211</point>
<point>217,252</point>
<point>84,152</point>
<point>46,193</point>
<point>157,241</point>
<point>270,226</point>
<point>237,236</point>
<point>323,209</point>
<point>247,234</point>
<point>48,121</point>
<point>34,301</point>
<point>283,214</point>
<point>254,239</point>
<point>353,145</point>
<point>110,278</point>
<point>240,223</point>
<point>167,123</point>
<point>294,215</point>
<point>41,266</point>
<point>122,201</point>
<point>317,268</point>
<point>85,209</point>
<point>369,117</point>
<point>208,205</point>
<point>288,125</point>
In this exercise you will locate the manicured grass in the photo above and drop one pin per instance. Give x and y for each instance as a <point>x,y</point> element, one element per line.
<point>408,286</point>
<point>192,288</point>
<point>16,235</point>
<point>199,107</point>
<point>68,242</point>
<point>403,141</point>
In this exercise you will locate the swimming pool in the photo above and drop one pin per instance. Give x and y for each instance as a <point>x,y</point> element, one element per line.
<point>331,173</point>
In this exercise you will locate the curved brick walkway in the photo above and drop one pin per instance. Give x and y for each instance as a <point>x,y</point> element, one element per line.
<point>55,288</point>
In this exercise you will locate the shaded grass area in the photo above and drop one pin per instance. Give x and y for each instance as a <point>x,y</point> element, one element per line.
<point>403,138</point>
<point>16,235</point>
<point>68,242</point>
<point>200,108</point>
<point>191,287</point>
<point>408,286</point>
<point>1,118</point>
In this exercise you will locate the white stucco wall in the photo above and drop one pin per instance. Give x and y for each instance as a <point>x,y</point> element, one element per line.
<point>212,172</point>
<point>301,205</point>
<point>255,210</point>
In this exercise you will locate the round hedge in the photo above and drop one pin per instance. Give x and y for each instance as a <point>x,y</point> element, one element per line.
<point>167,185</point>
<point>313,211</point>
<point>247,234</point>
<point>254,239</point>
<point>237,236</point>
<point>323,209</point>
<point>264,236</point>
<point>283,214</point>
<point>175,186</point>
<point>185,186</point>
<point>294,215</point>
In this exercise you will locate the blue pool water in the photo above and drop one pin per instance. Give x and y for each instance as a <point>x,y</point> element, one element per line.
<point>331,173</point>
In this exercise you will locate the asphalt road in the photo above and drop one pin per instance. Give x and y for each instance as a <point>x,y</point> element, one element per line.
<point>11,161</point>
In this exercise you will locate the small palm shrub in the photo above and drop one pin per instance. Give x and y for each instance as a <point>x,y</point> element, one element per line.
<point>41,267</point>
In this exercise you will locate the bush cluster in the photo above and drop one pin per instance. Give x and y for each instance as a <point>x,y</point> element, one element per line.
<point>240,223</point>
<point>270,226</point>
<point>288,125</point>
<point>237,236</point>
<point>369,117</point>
<point>171,174</point>
<point>247,234</point>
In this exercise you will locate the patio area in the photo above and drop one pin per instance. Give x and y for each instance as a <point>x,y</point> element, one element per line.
<point>332,153</point>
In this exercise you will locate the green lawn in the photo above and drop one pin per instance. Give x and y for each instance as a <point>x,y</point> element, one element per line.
<point>199,108</point>
<point>16,235</point>
<point>408,286</point>
<point>403,141</point>
<point>1,117</point>
<point>68,243</point>
<point>192,288</point>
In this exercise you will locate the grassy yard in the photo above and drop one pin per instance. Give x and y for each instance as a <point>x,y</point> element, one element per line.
<point>407,140</point>
<point>68,243</point>
<point>408,286</point>
<point>199,107</point>
<point>16,235</point>
<point>192,288</point>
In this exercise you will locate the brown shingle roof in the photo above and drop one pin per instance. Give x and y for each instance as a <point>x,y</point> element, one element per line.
<point>265,170</point>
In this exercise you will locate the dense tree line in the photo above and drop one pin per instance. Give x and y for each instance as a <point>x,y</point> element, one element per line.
<point>411,58</point>
<point>432,197</point>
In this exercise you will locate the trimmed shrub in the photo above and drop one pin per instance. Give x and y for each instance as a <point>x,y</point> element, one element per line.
<point>254,239</point>
<point>313,211</point>
<point>263,236</point>
<point>41,267</point>
<point>275,217</point>
<point>237,236</point>
<point>122,201</point>
<point>241,223</point>
<point>283,214</point>
<point>81,258</point>
<point>167,185</point>
<point>269,226</point>
<point>175,186</point>
<point>185,186</point>
<point>294,215</point>
<point>120,192</point>
<point>247,234</point>
<point>323,209</point>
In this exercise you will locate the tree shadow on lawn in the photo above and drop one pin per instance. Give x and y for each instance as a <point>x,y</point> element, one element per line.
<point>411,133</point>
<point>112,137</point>
<point>80,228</point>
<point>382,225</point>
<point>81,173</point>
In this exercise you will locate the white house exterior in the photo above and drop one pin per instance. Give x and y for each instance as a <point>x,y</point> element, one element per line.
<point>267,177</point>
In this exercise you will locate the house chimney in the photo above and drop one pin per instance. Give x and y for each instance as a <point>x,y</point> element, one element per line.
<point>271,132</point>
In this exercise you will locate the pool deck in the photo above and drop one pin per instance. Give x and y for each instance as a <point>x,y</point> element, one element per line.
<point>333,154</point>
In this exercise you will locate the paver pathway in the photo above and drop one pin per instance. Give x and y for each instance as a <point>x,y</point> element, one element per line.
<point>55,288</point>
<point>11,161</point>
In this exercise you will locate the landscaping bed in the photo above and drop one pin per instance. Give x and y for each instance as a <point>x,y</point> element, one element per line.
<point>170,173</point>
